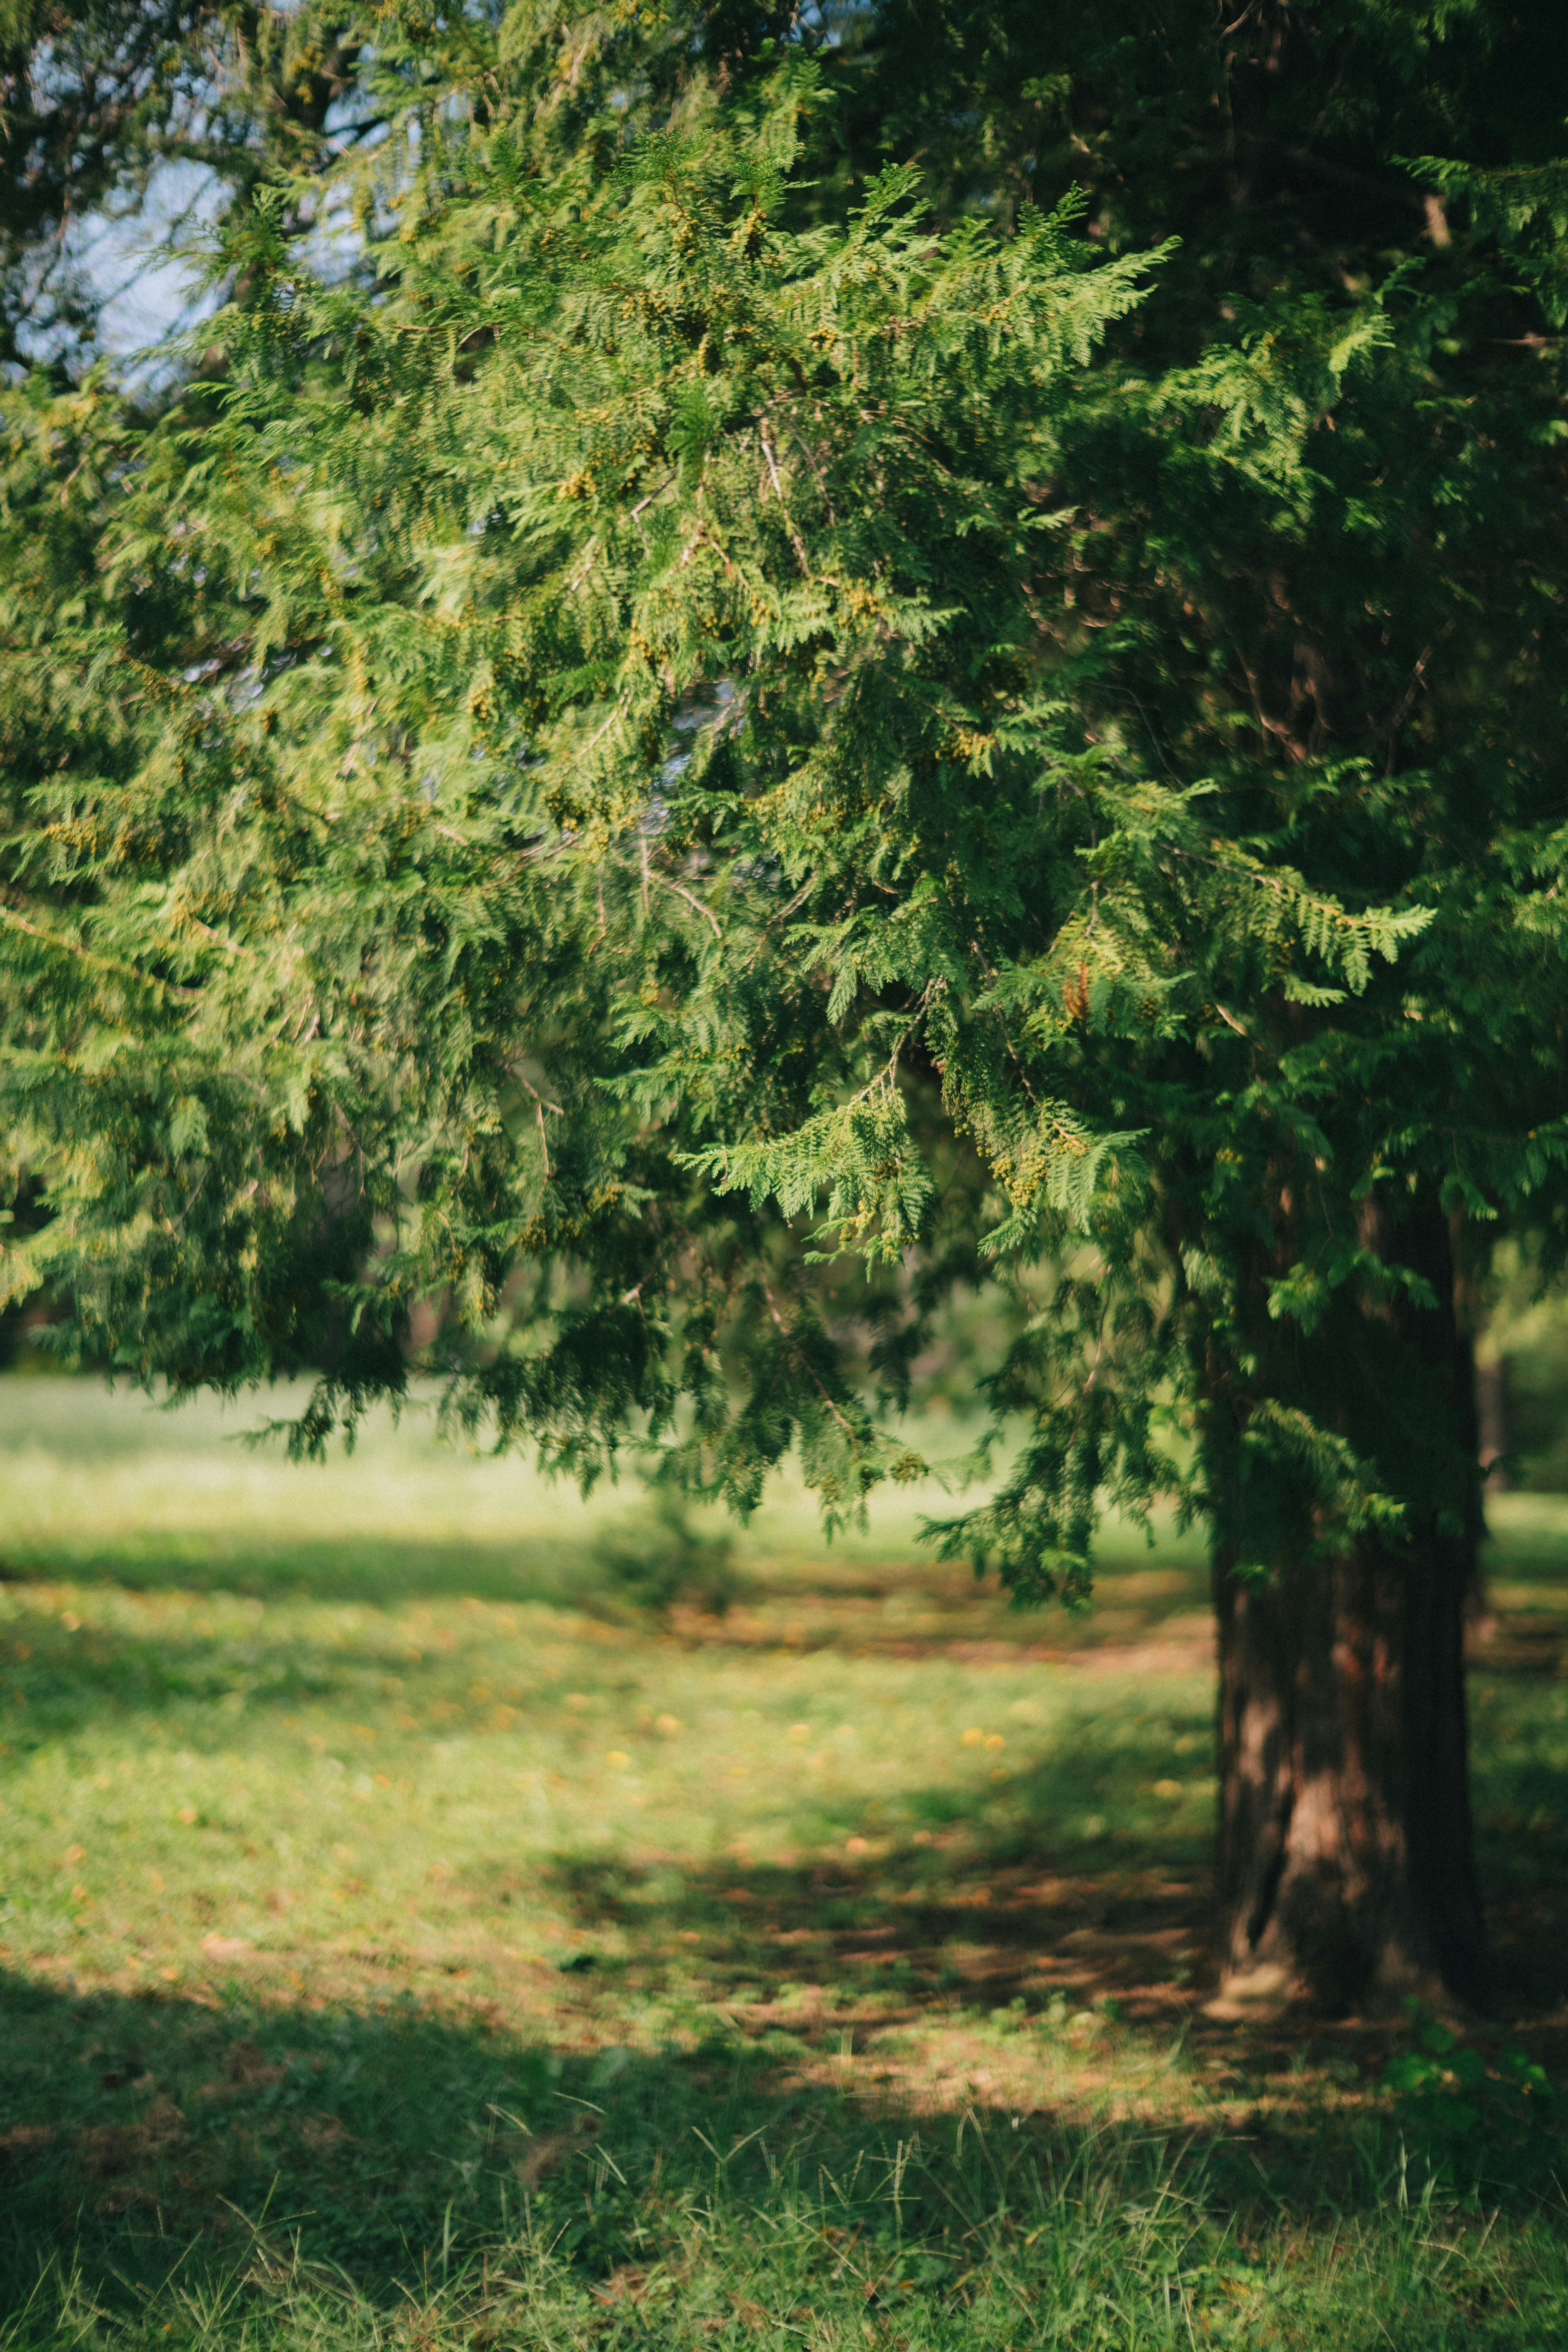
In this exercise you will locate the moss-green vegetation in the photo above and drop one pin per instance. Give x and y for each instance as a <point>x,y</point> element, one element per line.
<point>406,1939</point>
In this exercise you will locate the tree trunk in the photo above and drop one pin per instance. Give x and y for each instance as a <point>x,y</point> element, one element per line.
<point>1346,1868</point>
<point>1492,1419</point>
<point>1345,1873</point>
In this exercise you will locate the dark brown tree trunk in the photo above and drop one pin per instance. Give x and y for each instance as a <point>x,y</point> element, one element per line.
<point>1345,1873</point>
<point>1345,1865</point>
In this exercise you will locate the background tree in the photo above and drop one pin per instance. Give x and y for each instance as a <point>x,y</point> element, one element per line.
<point>678,696</point>
<point>102,104</point>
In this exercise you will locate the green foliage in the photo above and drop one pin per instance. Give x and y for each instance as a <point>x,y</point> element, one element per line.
<point>1456,2099</point>
<point>687,748</point>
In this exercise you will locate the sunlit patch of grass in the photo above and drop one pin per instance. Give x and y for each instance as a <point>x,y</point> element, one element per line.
<point>294,1785</point>
<point>186,1770</point>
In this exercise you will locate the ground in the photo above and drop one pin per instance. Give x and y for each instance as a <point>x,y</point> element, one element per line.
<point>407,1931</point>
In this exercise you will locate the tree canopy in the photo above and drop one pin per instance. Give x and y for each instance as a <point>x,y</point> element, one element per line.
<point>756,686</point>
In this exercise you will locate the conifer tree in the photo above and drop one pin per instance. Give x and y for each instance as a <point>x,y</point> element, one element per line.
<point>688,723</point>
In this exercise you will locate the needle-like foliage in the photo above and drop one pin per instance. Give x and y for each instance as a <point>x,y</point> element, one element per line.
<point>537,789</point>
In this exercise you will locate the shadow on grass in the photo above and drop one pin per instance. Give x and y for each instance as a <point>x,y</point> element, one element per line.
<point>803,1947</point>
<point>374,2139</point>
<point>156,1652</point>
<point>395,2155</point>
<point>553,1571</point>
<point>1092,1885</point>
<point>374,1569</point>
<point>59,1678</point>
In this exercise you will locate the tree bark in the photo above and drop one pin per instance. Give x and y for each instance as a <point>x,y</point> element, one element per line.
<point>1492,1419</point>
<point>1345,1870</point>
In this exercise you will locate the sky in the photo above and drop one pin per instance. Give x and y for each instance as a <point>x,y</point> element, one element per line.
<point>148,291</point>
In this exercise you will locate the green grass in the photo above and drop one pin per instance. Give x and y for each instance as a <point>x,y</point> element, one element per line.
<point>403,1937</point>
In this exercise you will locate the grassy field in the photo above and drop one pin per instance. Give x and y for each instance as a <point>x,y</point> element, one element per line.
<point>406,1938</point>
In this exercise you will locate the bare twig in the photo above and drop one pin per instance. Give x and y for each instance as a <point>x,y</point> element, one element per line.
<point>706,912</point>
<point>794,538</point>
<point>85,955</point>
